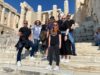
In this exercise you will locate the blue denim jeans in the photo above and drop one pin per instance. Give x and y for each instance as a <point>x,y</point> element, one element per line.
<point>97,43</point>
<point>36,44</point>
<point>30,43</point>
<point>71,38</point>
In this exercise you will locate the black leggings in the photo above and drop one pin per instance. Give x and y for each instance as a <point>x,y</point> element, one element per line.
<point>53,53</point>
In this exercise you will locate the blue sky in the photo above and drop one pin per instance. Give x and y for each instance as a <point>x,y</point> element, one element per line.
<point>46,4</point>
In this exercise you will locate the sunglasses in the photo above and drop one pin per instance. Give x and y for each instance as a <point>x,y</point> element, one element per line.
<point>63,18</point>
<point>25,23</point>
<point>55,25</point>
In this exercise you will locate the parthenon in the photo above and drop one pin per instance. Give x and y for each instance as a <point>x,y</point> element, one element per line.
<point>10,18</point>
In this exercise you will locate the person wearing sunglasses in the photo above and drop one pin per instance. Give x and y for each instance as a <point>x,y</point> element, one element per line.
<point>54,44</point>
<point>24,41</point>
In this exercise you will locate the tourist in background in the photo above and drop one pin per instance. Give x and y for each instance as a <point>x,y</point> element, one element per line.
<point>97,37</point>
<point>49,28</point>
<point>36,29</point>
<point>43,37</point>
<point>71,34</point>
<point>63,26</point>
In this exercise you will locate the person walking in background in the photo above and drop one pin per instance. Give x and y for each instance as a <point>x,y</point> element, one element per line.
<point>36,29</point>
<point>71,34</point>
<point>49,28</point>
<point>43,37</point>
<point>63,26</point>
<point>54,44</point>
<point>97,37</point>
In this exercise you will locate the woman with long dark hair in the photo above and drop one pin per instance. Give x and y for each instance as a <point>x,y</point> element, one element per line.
<point>54,44</point>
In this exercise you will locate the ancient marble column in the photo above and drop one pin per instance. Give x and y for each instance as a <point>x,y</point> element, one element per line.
<point>49,13</point>
<point>29,17</point>
<point>15,22</point>
<point>39,13</point>
<point>78,12</point>
<point>9,19</point>
<point>77,5</point>
<point>55,11</point>
<point>2,16</point>
<point>22,15</point>
<point>44,18</point>
<point>66,7</point>
<point>1,0</point>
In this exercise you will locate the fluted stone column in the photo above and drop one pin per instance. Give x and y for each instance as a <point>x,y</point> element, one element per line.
<point>15,22</point>
<point>22,15</point>
<point>66,7</point>
<point>29,17</point>
<point>39,13</point>
<point>2,16</point>
<point>55,11</point>
<point>77,5</point>
<point>49,13</point>
<point>78,12</point>
<point>44,18</point>
<point>98,9</point>
<point>9,19</point>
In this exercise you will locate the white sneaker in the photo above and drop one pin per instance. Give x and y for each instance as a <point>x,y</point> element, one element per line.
<point>44,58</point>
<point>49,67</point>
<point>56,68</point>
<point>67,60</point>
<point>19,63</point>
<point>62,60</point>
<point>32,58</point>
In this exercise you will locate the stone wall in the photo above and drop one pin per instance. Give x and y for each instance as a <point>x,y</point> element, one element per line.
<point>88,19</point>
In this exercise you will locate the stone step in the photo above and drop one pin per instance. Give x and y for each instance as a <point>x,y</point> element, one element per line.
<point>90,59</point>
<point>84,57</point>
<point>83,66</point>
<point>37,61</point>
<point>64,68</point>
<point>32,70</point>
<point>73,64</point>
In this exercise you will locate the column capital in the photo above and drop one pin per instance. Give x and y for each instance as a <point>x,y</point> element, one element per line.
<point>3,9</point>
<point>54,6</point>
<point>39,8</point>
<point>22,6</point>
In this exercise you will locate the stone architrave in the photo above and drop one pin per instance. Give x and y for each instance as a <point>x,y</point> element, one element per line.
<point>9,19</point>
<point>55,11</point>
<point>2,16</point>
<point>39,13</point>
<point>66,7</point>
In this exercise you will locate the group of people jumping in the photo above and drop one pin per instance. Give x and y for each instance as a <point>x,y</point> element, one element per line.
<point>55,37</point>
